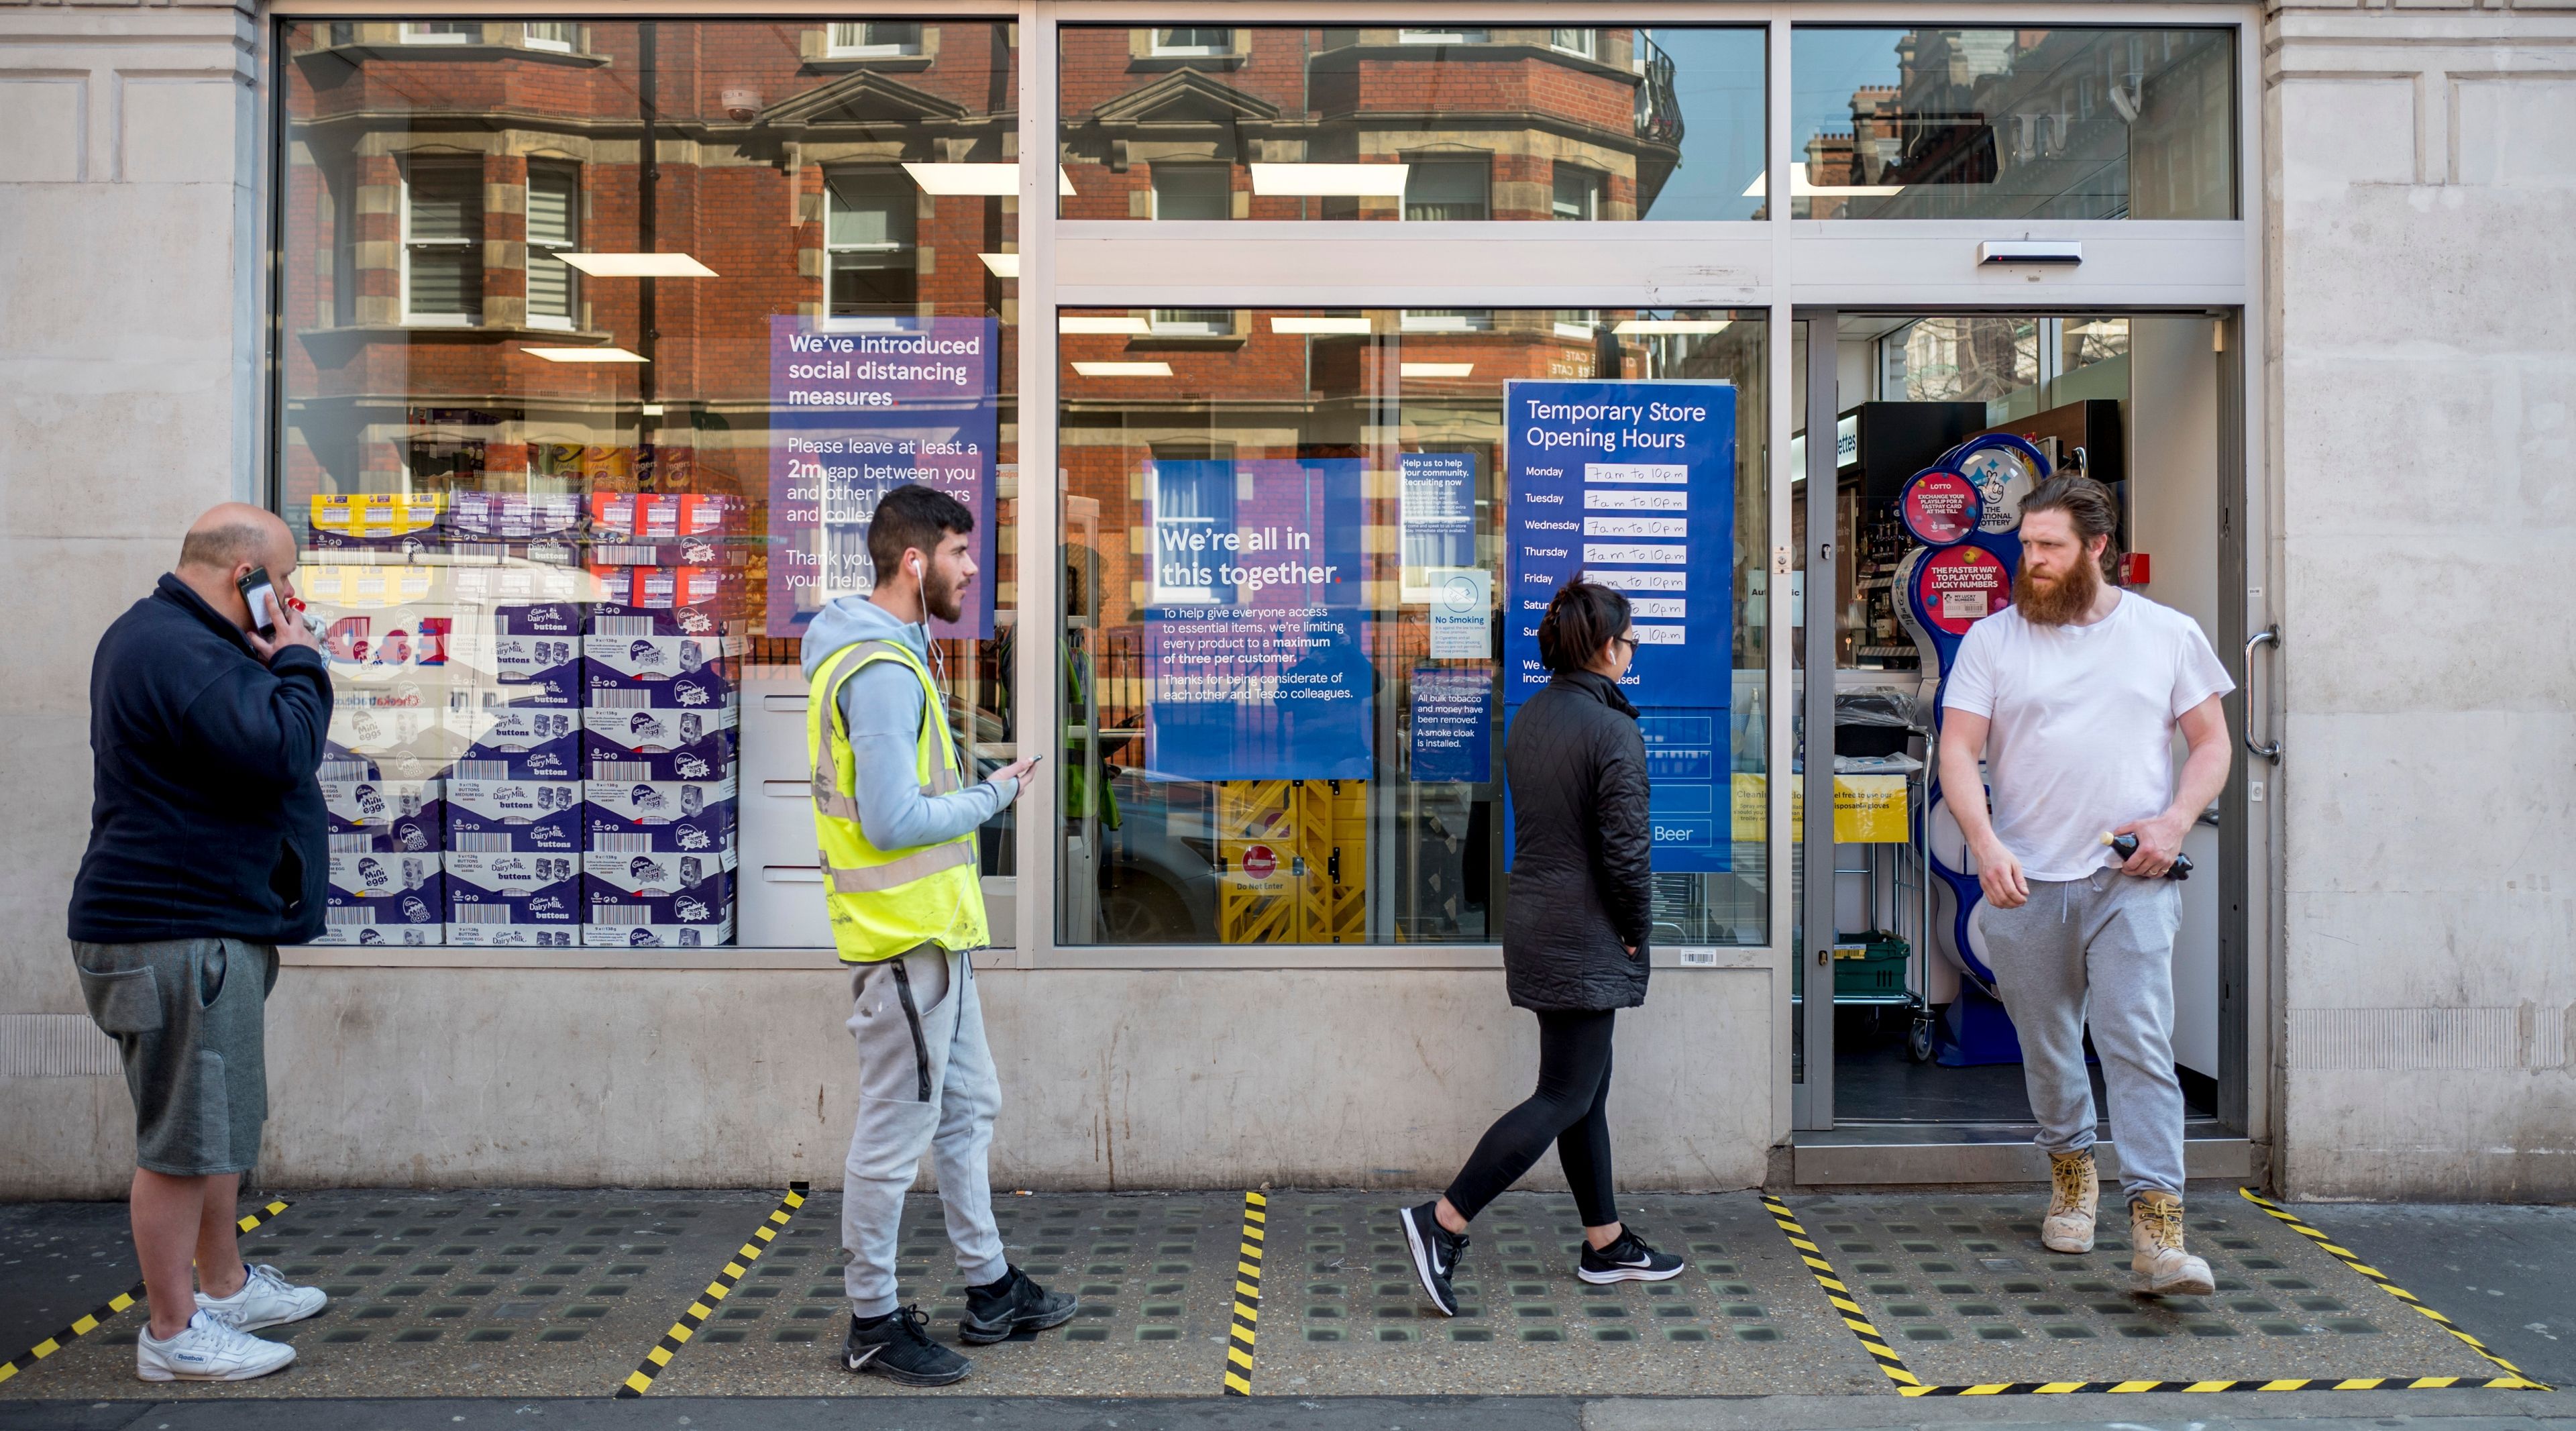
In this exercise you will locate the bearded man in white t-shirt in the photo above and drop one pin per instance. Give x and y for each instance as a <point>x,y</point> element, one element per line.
<point>2072,695</point>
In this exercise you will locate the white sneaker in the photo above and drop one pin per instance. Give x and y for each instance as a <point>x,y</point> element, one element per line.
<point>208,1349</point>
<point>266,1299</point>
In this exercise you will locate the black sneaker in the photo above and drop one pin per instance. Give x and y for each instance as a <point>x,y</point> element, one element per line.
<point>1436,1254</point>
<point>1627,1260</point>
<point>1013,1304</point>
<point>896,1347</point>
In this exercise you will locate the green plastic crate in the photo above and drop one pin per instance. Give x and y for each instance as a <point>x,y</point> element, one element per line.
<point>1869,965</point>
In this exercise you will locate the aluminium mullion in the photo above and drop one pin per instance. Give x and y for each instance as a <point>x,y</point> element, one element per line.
<point>1037,687</point>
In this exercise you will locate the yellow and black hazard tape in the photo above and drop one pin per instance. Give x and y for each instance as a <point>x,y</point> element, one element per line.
<point>2347,1257</point>
<point>1247,1295</point>
<point>1907,1384</point>
<point>131,1296</point>
<point>1840,1295</point>
<point>640,1380</point>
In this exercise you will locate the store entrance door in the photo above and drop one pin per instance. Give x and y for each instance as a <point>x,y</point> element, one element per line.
<point>1907,1068</point>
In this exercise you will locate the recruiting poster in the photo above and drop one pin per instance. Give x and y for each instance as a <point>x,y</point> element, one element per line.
<point>1256,638</point>
<point>1632,484</point>
<point>855,412</point>
<point>1453,722</point>
<point>1437,511</point>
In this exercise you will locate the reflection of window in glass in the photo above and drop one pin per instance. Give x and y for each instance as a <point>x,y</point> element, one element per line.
<point>1448,189</point>
<point>868,229</point>
<point>1970,359</point>
<point>1446,320</point>
<point>875,39</point>
<point>1193,191</point>
<point>1579,192</point>
<point>441,32</point>
<point>554,229</point>
<point>2087,341</point>
<point>1193,492</point>
<point>1586,42</point>
<point>442,252</point>
<point>340,212</point>
<point>1450,36</point>
<point>1198,40</point>
<point>1193,322</point>
<point>551,35</point>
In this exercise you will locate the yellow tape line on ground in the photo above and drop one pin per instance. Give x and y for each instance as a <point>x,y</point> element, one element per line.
<point>131,1296</point>
<point>640,1380</point>
<point>1840,1295</point>
<point>1247,1295</point>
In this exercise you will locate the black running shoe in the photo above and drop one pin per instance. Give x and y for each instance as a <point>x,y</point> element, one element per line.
<point>898,1347</point>
<point>1436,1254</point>
<point>1012,1304</point>
<point>1627,1260</point>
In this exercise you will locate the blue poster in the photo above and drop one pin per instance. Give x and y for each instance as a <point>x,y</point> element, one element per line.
<point>1438,511</point>
<point>1453,722</point>
<point>1632,484</point>
<point>857,409</point>
<point>1256,639</point>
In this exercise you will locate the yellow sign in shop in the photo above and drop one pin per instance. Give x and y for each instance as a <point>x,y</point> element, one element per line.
<point>1868,809</point>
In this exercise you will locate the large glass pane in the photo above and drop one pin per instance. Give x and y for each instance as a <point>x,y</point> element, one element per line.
<point>2058,123</point>
<point>599,343</point>
<point>1289,612</point>
<point>1444,124</point>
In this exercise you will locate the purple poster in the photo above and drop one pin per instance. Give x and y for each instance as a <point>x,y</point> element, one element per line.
<point>860,407</point>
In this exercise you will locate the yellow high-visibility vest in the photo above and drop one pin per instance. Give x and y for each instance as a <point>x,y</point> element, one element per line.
<point>884,902</point>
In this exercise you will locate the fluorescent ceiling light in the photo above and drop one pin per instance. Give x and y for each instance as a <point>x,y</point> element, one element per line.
<point>1579,331</point>
<point>1639,327</point>
<point>1003,265</point>
<point>1291,323</point>
<point>1121,323</point>
<point>638,265</point>
<point>1435,370</point>
<point>977,178</point>
<point>584,355</point>
<point>1799,188</point>
<point>1331,181</point>
<point>1124,370</point>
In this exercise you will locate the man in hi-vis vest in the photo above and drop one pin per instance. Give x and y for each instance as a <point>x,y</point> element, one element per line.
<point>895,819</point>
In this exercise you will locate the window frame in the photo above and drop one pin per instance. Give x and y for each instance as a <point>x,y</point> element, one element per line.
<point>413,32</point>
<point>865,49</point>
<point>909,249</point>
<point>409,244</point>
<point>1158,48</point>
<point>571,41</point>
<point>570,319</point>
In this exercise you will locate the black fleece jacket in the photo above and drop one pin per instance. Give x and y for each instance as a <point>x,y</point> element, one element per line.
<point>1582,849</point>
<point>205,815</point>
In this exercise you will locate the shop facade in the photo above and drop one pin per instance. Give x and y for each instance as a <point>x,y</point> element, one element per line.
<point>576,349</point>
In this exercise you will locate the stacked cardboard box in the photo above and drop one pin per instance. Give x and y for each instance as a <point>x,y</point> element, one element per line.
<point>660,751</point>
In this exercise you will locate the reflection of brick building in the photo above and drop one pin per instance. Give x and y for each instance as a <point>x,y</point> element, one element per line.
<point>439,169</point>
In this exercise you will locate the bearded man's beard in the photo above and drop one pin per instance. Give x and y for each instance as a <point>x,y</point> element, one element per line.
<point>2061,601</point>
<point>944,596</point>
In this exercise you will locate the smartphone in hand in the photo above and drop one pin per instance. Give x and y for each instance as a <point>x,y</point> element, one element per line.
<point>261,595</point>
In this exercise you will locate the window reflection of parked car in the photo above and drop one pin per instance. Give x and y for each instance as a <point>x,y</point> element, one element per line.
<point>1158,868</point>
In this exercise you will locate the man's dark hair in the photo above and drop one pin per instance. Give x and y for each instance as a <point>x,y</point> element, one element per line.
<point>1580,619</point>
<point>2089,508</point>
<point>912,516</point>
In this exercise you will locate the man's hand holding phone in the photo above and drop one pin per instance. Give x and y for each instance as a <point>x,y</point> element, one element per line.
<point>273,625</point>
<point>1018,772</point>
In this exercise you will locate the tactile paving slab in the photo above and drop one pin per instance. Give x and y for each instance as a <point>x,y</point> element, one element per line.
<point>1962,1289</point>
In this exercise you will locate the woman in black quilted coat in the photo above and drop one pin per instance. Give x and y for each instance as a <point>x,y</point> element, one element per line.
<point>1574,940</point>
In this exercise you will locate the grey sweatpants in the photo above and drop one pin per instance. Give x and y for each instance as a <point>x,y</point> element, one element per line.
<point>2098,949</point>
<point>926,1085</point>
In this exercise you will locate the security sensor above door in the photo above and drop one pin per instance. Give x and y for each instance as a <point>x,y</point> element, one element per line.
<point>2030,251</point>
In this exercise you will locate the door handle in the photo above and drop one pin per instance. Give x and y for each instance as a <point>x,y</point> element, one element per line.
<point>2268,636</point>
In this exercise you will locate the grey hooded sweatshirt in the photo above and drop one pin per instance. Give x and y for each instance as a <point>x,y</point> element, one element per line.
<point>882,708</point>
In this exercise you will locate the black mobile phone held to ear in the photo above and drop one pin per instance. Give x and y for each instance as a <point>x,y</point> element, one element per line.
<point>262,597</point>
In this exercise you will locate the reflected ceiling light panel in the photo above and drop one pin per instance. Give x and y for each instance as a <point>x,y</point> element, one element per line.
<point>1435,370</point>
<point>1642,327</point>
<point>585,355</point>
<point>1124,370</point>
<point>1003,265</point>
<point>1581,332</point>
<point>1330,181</point>
<point>1319,327</point>
<point>638,265</point>
<point>1126,325</point>
<point>977,178</point>
<point>1799,188</point>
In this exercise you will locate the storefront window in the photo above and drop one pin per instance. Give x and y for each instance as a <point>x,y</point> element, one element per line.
<point>1296,570</point>
<point>1442,124</point>
<point>2056,123</point>
<point>599,342</point>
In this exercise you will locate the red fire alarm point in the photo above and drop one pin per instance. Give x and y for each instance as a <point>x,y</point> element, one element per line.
<point>2133,569</point>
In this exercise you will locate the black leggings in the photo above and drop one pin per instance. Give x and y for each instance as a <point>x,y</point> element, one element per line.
<point>1570,1107</point>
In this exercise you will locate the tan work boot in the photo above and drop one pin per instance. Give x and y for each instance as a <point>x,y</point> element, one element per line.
<point>2074,1194</point>
<point>2163,1268</point>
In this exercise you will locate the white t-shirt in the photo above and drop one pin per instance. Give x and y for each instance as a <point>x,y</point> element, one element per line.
<point>2083,722</point>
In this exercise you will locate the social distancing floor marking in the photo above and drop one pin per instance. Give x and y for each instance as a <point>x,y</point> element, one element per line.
<point>1908,1384</point>
<point>1247,1295</point>
<point>130,1297</point>
<point>640,1380</point>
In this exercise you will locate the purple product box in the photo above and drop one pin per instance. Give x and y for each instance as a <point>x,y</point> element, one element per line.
<point>531,653</point>
<point>519,816</point>
<point>364,813</point>
<point>502,741</point>
<point>615,619</point>
<point>643,816</point>
<point>659,872</point>
<point>608,550</point>
<point>678,671</point>
<point>709,901</point>
<point>712,756</point>
<point>658,936</point>
<point>382,898</point>
<point>479,519</point>
<point>530,899</point>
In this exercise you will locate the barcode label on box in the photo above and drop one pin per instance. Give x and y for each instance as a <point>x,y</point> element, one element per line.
<point>625,770</point>
<point>480,844</point>
<point>479,914</point>
<point>360,915</point>
<point>621,700</point>
<point>482,770</point>
<point>622,626</point>
<point>608,844</point>
<point>613,914</point>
